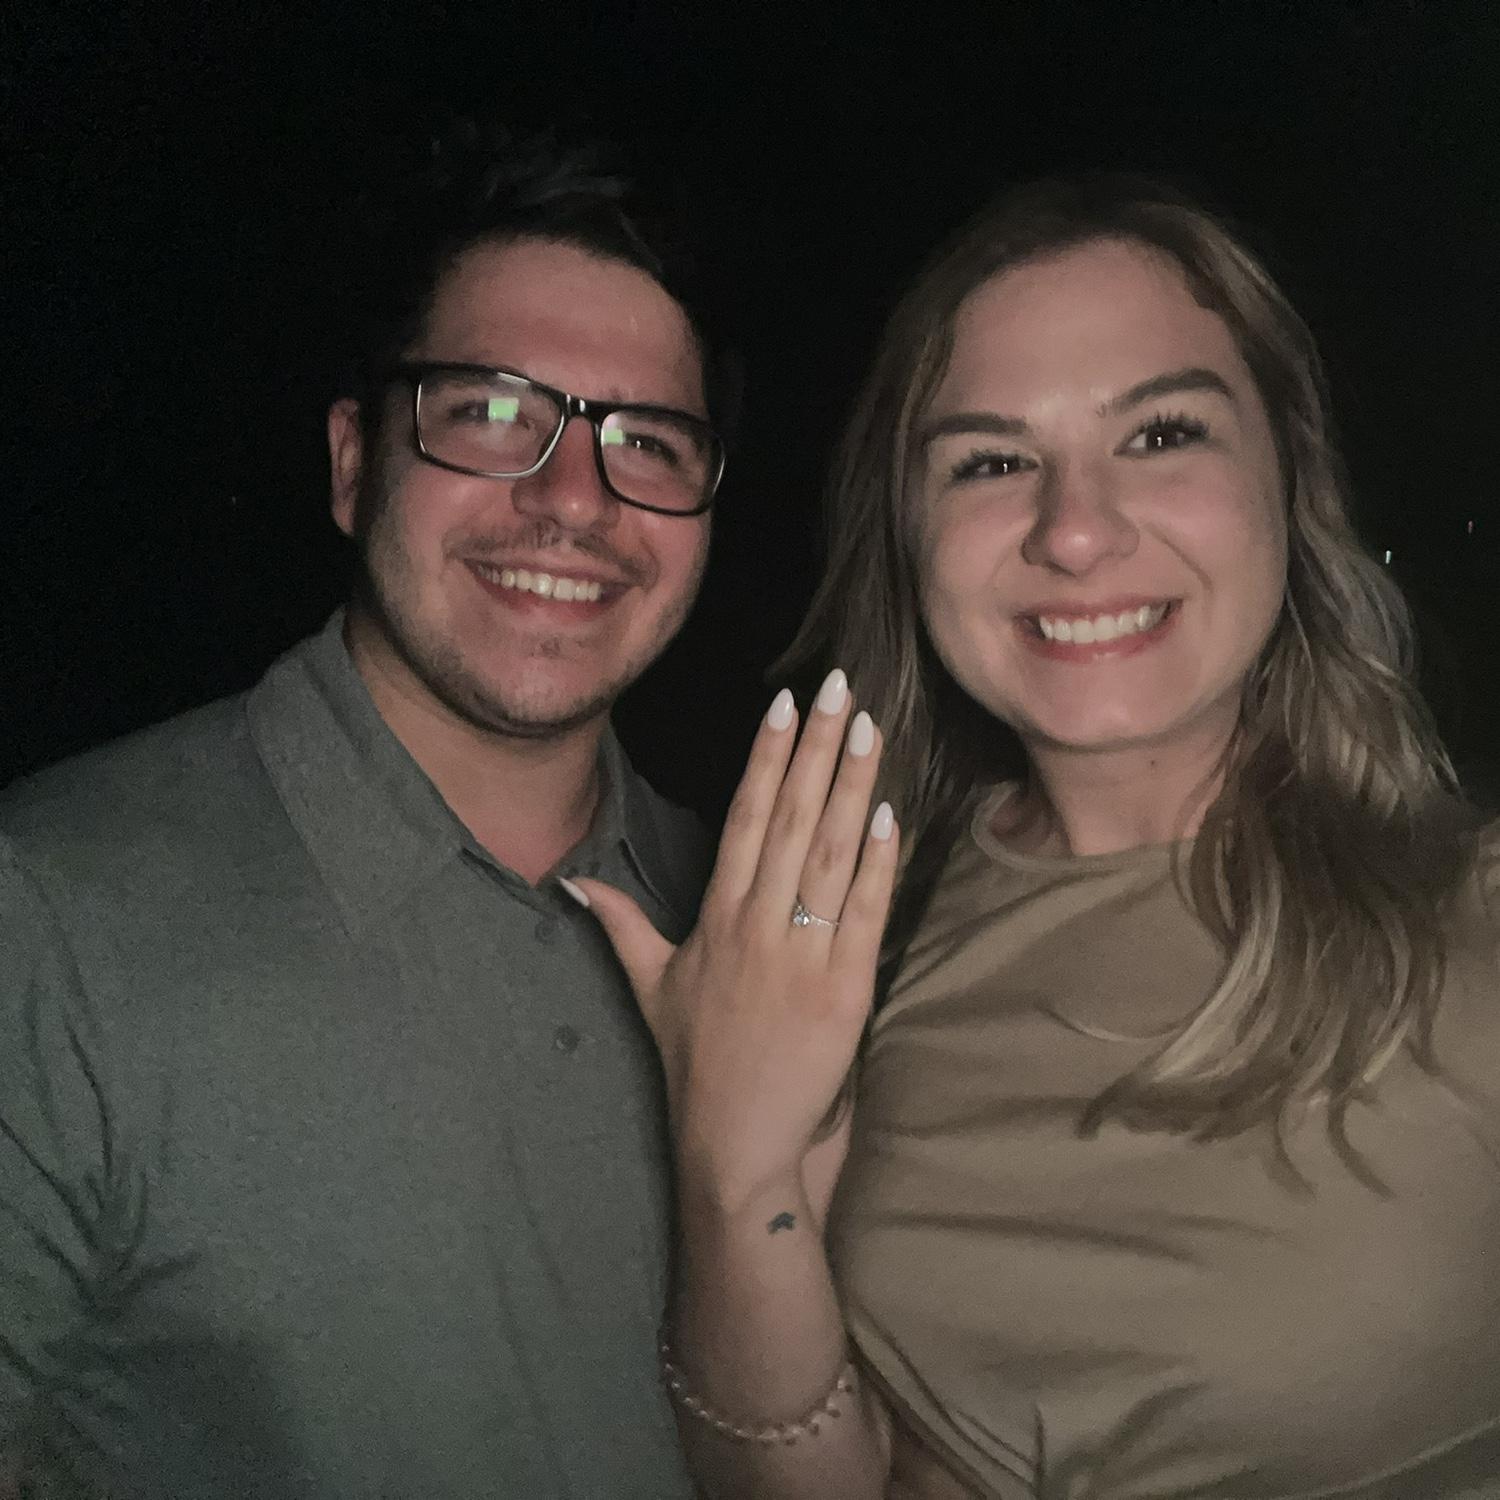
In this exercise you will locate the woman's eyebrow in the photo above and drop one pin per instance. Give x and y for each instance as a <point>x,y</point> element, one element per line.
<point>972,421</point>
<point>1174,382</point>
<point>1171,383</point>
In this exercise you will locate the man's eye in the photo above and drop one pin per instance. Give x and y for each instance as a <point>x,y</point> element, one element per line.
<point>1162,434</point>
<point>650,445</point>
<point>491,411</point>
<point>986,466</point>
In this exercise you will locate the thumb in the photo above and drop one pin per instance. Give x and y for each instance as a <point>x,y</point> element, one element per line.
<point>643,952</point>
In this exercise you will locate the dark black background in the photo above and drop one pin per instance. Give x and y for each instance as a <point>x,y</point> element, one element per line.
<point>173,182</point>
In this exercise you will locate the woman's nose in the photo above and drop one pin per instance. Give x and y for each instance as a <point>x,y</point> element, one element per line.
<point>1079,522</point>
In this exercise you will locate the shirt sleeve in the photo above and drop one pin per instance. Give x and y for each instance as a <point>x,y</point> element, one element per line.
<point>54,1158</point>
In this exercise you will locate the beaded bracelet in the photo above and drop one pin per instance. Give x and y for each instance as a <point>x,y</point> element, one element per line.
<point>806,1425</point>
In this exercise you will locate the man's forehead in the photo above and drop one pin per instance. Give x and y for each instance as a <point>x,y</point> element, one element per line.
<point>564,315</point>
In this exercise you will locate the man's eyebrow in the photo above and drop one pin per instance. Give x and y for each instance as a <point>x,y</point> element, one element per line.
<point>972,421</point>
<point>1174,382</point>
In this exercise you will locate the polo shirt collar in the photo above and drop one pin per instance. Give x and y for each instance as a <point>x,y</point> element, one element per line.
<point>374,825</point>
<point>628,819</point>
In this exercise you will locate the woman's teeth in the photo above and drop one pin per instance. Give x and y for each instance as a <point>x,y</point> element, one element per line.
<point>547,585</point>
<point>1084,631</point>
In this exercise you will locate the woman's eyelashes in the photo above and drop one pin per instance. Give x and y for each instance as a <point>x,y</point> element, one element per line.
<point>987,465</point>
<point>1165,433</point>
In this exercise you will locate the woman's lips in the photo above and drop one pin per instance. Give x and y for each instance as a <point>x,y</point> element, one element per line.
<point>1067,633</point>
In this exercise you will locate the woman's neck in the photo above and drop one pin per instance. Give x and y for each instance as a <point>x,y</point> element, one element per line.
<point>1091,802</point>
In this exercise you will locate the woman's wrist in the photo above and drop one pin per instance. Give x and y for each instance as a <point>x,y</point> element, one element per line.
<point>723,1193</point>
<point>838,1397</point>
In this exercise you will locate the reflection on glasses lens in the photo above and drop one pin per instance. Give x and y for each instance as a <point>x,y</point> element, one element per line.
<point>501,425</point>
<point>493,424</point>
<point>656,458</point>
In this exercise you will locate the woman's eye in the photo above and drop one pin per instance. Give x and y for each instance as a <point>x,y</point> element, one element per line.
<point>1162,434</point>
<point>987,466</point>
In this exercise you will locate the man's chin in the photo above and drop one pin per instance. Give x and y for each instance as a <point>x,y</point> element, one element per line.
<point>539,717</point>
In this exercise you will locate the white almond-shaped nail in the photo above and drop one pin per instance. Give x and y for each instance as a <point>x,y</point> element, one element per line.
<point>575,891</point>
<point>833,692</point>
<point>779,715</point>
<point>861,734</point>
<point>883,823</point>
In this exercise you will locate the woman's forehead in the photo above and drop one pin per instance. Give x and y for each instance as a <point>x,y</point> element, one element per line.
<point>1105,313</point>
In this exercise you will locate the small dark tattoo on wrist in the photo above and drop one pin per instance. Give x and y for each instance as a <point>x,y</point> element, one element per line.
<point>782,1221</point>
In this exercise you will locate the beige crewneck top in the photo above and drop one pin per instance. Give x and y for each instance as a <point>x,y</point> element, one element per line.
<point>1140,1314</point>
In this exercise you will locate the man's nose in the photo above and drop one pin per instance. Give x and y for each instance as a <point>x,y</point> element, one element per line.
<point>1079,521</point>
<point>567,488</point>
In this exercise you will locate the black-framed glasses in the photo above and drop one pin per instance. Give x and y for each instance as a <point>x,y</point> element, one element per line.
<point>499,425</point>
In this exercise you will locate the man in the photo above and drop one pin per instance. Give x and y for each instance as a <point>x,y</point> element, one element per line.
<point>330,1152</point>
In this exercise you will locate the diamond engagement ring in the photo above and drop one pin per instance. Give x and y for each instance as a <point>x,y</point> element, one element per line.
<point>801,917</point>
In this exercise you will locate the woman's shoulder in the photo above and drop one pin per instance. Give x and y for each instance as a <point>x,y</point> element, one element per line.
<point>1487,860</point>
<point>1471,945</point>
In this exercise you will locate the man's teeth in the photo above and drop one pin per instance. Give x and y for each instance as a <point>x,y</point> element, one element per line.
<point>1085,631</point>
<point>547,585</point>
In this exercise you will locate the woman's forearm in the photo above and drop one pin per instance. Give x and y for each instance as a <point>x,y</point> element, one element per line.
<point>757,1017</point>
<point>758,1336</point>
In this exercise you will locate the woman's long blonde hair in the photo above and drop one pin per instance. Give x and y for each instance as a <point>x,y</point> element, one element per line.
<point>1327,861</point>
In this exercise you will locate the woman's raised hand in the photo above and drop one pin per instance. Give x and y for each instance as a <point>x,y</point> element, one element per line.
<point>758,1014</point>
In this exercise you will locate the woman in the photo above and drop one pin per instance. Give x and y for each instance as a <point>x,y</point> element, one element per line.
<point>1173,1164</point>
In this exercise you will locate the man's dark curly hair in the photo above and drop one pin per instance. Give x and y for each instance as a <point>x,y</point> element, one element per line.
<point>481,184</point>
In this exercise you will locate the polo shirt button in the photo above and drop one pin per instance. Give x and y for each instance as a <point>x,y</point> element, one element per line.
<point>565,1039</point>
<point>545,930</point>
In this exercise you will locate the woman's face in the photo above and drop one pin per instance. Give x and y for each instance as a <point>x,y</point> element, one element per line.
<point>1101,540</point>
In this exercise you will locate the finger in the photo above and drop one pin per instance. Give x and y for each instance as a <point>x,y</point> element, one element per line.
<point>868,904</point>
<point>750,810</point>
<point>803,795</point>
<point>643,952</point>
<point>834,851</point>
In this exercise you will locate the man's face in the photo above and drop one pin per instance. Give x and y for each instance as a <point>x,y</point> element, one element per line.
<point>445,626</point>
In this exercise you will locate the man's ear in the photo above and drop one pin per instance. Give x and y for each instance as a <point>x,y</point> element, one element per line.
<point>346,457</point>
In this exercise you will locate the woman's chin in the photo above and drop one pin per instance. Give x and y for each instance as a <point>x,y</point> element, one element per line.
<point>1098,733</point>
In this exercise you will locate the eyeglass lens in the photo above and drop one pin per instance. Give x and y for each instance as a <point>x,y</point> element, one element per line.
<point>501,425</point>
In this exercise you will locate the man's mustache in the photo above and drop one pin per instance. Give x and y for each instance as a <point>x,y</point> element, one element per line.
<point>556,539</point>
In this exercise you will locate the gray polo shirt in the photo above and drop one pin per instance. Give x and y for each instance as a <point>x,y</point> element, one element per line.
<point>331,1151</point>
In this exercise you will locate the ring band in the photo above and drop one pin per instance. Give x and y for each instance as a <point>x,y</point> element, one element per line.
<point>802,917</point>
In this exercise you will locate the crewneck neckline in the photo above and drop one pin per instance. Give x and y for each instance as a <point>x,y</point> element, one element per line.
<point>1057,864</point>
